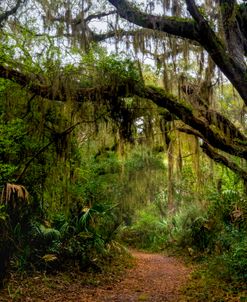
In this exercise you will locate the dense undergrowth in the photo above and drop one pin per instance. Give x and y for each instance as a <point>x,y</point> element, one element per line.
<point>81,234</point>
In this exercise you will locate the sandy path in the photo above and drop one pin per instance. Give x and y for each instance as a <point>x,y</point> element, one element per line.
<point>155,278</point>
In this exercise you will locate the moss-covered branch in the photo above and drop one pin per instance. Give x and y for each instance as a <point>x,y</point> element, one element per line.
<point>184,28</point>
<point>213,154</point>
<point>219,158</point>
<point>35,85</point>
<point>196,29</point>
<point>216,130</point>
<point>208,129</point>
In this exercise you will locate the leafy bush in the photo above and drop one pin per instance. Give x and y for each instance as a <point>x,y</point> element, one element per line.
<point>190,228</point>
<point>232,264</point>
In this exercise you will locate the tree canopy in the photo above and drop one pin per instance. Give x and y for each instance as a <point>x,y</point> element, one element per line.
<point>210,37</point>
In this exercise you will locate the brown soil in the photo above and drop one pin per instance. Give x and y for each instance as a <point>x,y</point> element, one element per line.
<point>154,278</point>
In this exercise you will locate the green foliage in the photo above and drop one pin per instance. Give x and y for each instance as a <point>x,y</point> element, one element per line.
<point>82,239</point>
<point>148,232</point>
<point>149,227</point>
<point>46,233</point>
<point>115,67</point>
<point>109,68</point>
<point>81,230</point>
<point>232,264</point>
<point>215,231</point>
<point>190,228</point>
<point>12,141</point>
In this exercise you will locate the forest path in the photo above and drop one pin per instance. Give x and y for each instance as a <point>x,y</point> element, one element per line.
<point>155,278</point>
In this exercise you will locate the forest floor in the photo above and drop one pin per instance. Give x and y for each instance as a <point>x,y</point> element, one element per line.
<point>153,277</point>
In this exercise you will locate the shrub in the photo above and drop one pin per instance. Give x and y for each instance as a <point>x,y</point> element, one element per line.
<point>232,264</point>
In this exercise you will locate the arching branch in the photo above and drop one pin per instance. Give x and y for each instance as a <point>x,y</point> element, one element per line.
<point>215,128</point>
<point>183,28</point>
<point>212,134</point>
<point>215,156</point>
<point>219,158</point>
<point>196,29</point>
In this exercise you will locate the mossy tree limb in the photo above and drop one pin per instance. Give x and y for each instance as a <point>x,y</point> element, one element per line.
<point>221,159</point>
<point>213,127</point>
<point>208,129</point>
<point>215,155</point>
<point>196,29</point>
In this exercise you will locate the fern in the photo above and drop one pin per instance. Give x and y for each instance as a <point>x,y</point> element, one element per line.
<point>46,233</point>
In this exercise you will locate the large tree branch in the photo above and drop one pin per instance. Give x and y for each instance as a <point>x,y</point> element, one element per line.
<point>208,123</point>
<point>228,63</point>
<point>183,28</point>
<point>219,158</point>
<point>233,35</point>
<point>196,29</point>
<point>33,84</point>
<point>231,62</point>
<point>212,134</point>
<point>213,154</point>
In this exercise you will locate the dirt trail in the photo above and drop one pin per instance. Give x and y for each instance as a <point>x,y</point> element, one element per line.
<point>155,278</point>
